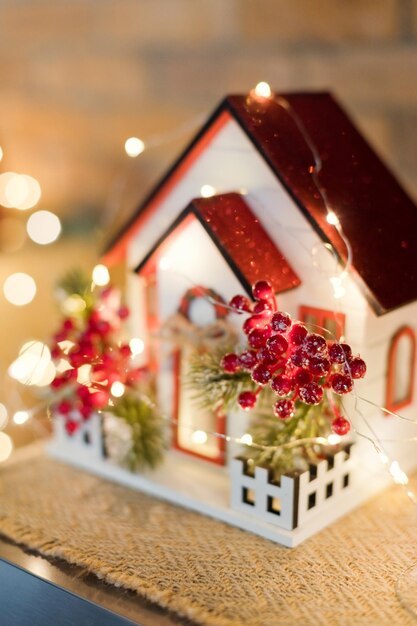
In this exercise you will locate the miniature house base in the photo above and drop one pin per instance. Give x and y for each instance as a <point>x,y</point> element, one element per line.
<point>287,512</point>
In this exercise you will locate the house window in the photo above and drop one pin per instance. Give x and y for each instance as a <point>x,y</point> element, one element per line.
<point>317,319</point>
<point>401,368</point>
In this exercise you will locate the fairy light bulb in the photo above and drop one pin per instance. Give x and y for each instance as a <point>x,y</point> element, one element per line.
<point>136,346</point>
<point>207,191</point>
<point>332,218</point>
<point>246,439</point>
<point>134,147</point>
<point>199,436</point>
<point>263,90</point>
<point>101,276</point>
<point>117,389</point>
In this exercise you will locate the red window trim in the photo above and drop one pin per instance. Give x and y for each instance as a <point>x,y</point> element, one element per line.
<point>390,403</point>
<point>322,315</point>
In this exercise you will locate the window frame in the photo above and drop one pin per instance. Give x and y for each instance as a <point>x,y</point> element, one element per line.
<point>322,315</point>
<point>390,402</point>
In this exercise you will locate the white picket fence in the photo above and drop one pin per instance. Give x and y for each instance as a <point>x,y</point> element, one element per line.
<point>293,500</point>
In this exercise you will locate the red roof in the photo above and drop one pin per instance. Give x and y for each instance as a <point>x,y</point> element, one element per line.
<point>240,238</point>
<point>377,216</point>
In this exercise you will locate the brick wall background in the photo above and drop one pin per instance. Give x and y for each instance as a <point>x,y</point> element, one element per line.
<point>77,77</point>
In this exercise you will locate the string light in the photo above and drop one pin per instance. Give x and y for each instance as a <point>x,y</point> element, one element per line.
<point>19,289</point>
<point>207,191</point>
<point>334,439</point>
<point>6,446</point>
<point>101,276</point>
<point>117,389</point>
<point>332,218</point>
<point>136,345</point>
<point>262,90</point>
<point>134,147</point>
<point>246,439</point>
<point>398,475</point>
<point>199,436</point>
<point>43,227</point>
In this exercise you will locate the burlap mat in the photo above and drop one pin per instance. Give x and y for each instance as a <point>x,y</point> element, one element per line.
<point>203,569</point>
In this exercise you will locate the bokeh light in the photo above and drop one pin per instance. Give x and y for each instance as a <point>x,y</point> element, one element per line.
<point>136,346</point>
<point>19,191</point>
<point>1,153</point>
<point>6,446</point>
<point>101,275</point>
<point>19,288</point>
<point>43,227</point>
<point>33,366</point>
<point>3,416</point>
<point>134,146</point>
<point>21,417</point>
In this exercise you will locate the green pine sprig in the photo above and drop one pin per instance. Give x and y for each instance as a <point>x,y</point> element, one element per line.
<point>148,431</point>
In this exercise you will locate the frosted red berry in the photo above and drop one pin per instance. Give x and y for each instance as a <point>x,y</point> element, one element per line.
<point>247,400</point>
<point>297,334</point>
<point>311,393</point>
<point>299,357</point>
<point>341,383</point>
<point>68,324</point>
<point>231,363</point>
<point>124,312</point>
<point>282,385</point>
<point>302,377</point>
<point>64,407</point>
<point>261,374</point>
<point>319,366</point>
<point>347,350</point>
<point>284,408</point>
<point>263,308</point>
<point>315,345</point>
<point>336,353</point>
<point>263,355</point>
<point>259,336</point>
<point>71,426</point>
<point>340,426</point>
<point>280,322</point>
<point>277,345</point>
<point>262,290</point>
<point>357,367</point>
<point>240,303</point>
<point>248,359</point>
<point>99,399</point>
<point>255,321</point>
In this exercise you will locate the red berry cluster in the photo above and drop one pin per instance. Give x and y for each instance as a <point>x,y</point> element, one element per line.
<point>298,365</point>
<point>95,342</point>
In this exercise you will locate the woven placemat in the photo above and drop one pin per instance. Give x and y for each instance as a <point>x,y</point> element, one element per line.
<point>204,569</point>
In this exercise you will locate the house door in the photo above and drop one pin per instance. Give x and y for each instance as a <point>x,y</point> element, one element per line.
<point>194,425</point>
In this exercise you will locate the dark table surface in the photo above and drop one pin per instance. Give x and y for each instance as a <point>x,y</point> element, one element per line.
<point>25,598</point>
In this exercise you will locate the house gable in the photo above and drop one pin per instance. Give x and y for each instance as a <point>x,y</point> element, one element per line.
<point>240,238</point>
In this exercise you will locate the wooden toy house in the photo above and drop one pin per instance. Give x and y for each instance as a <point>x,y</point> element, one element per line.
<point>245,202</point>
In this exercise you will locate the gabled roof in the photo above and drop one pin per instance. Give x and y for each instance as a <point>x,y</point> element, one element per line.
<point>240,238</point>
<point>377,216</point>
